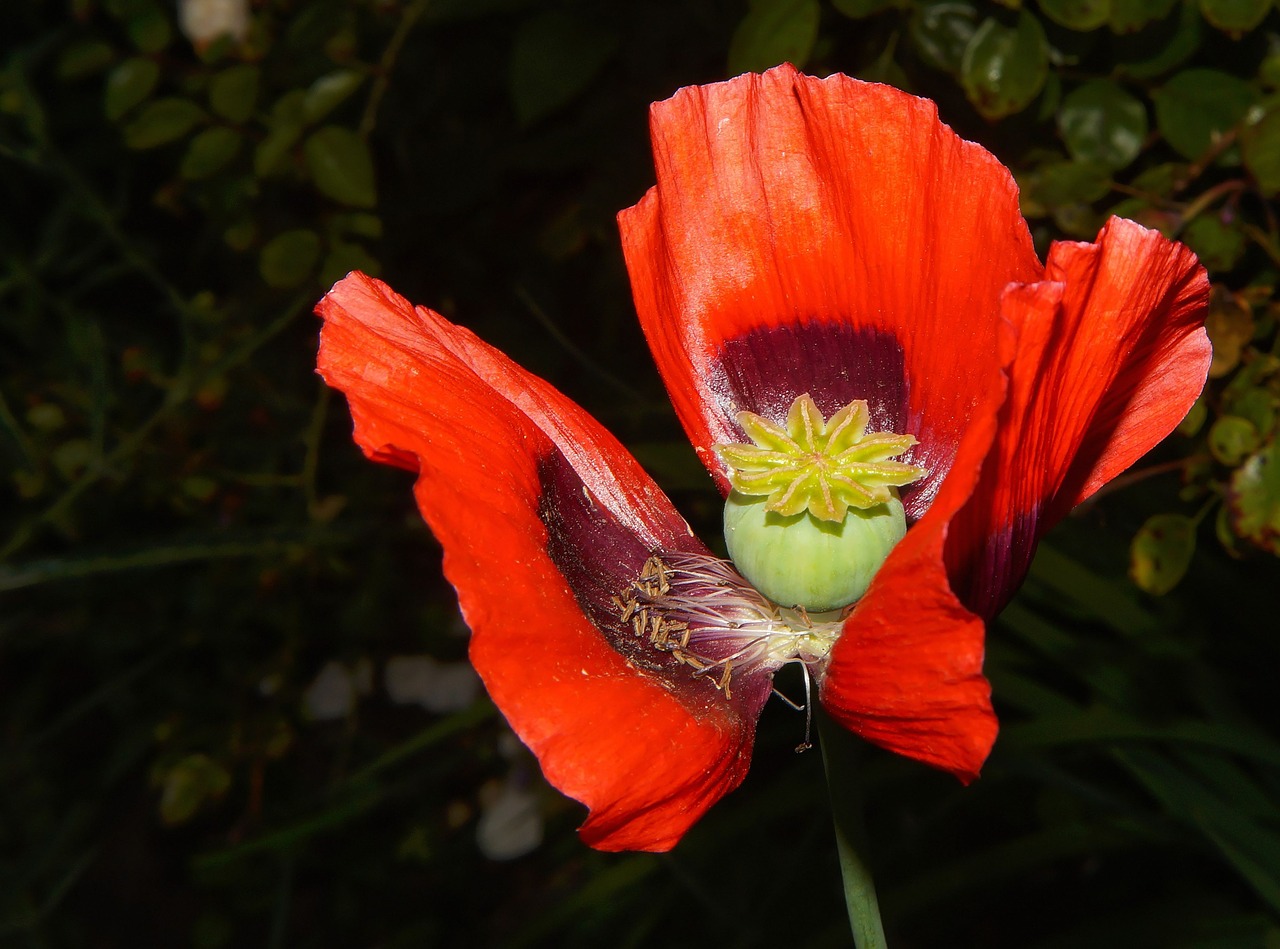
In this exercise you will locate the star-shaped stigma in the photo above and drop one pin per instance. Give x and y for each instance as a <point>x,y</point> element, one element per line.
<point>819,465</point>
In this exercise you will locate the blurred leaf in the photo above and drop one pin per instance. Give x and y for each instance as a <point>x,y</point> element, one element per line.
<point>233,93</point>
<point>1260,150</point>
<point>209,152</point>
<point>1112,601</point>
<point>1161,46</point>
<point>1235,16</point>
<point>1161,180</point>
<point>1230,327</point>
<point>289,258</point>
<point>554,59</point>
<point>150,30</point>
<point>129,84</point>
<point>283,133</point>
<point>1196,416</point>
<point>1259,407</point>
<point>85,58</point>
<point>1102,124</point>
<point>1254,499</point>
<point>344,257</point>
<point>941,31</point>
<point>1161,552</point>
<point>1004,68</point>
<point>1077,14</point>
<point>1129,16</point>
<point>341,166</point>
<point>1219,246</point>
<point>1250,848</point>
<point>188,785</point>
<point>359,223</point>
<point>1060,183</point>
<point>861,9</point>
<point>1269,71</point>
<point>1197,106</point>
<point>773,32</point>
<point>330,91</point>
<point>162,121</point>
<point>1232,438</point>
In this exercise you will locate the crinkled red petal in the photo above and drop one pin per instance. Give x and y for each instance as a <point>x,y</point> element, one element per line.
<point>906,672</point>
<point>1111,355</point>
<point>827,236</point>
<point>533,503</point>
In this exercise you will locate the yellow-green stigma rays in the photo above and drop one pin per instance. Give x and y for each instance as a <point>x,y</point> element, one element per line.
<point>814,510</point>
<point>817,465</point>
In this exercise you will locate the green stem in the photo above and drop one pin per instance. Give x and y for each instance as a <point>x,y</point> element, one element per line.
<point>839,754</point>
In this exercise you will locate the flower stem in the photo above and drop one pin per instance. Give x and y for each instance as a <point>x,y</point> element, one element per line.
<point>839,753</point>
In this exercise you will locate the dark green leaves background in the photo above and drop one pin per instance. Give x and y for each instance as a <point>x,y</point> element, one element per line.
<point>189,537</point>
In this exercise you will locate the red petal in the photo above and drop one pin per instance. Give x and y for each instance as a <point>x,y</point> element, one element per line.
<point>1111,355</point>
<point>646,755</point>
<point>822,207</point>
<point>906,673</point>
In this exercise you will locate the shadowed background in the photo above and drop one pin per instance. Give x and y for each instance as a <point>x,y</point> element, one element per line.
<point>235,706</point>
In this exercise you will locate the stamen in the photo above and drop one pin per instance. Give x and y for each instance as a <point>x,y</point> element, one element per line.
<point>700,611</point>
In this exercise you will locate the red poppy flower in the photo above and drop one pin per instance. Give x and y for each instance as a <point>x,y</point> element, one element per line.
<point>810,246</point>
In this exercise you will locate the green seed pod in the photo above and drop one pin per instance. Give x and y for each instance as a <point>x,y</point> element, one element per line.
<point>801,560</point>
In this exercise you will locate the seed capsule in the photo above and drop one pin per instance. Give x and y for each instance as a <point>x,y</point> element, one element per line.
<point>801,560</point>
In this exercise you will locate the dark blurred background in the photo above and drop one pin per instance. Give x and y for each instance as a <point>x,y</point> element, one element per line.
<point>236,709</point>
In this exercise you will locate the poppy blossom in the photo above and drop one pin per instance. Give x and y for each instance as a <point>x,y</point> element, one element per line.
<point>844,303</point>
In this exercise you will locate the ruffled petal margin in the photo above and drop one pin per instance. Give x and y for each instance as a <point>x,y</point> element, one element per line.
<point>504,464</point>
<point>827,236</point>
<point>1111,355</point>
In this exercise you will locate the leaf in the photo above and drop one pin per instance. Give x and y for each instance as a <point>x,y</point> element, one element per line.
<point>1253,499</point>
<point>84,59</point>
<point>1232,438</point>
<point>1161,552</point>
<point>861,9</point>
<point>1229,324</point>
<point>129,84</point>
<point>1257,405</point>
<point>289,258</point>
<point>341,166</point>
<point>284,131</point>
<point>773,32</point>
<point>1158,47</point>
<point>941,31</point>
<point>1198,106</point>
<point>1251,848</point>
<point>1077,14</point>
<point>150,30</point>
<point>554,59</point>
<point>1260,150</point>
<point>1219,246</point>
<point>1129,16</point>
<point>330,91</point>
<point>1058,184</point>
<point>188,785</point>
<point>344,257</point>
<point>1102,124</point>
<point>233,93</point>
<point>1004,68</point>
<point>209,152</point>
<point>1235,16</point>
<point>162,121</point>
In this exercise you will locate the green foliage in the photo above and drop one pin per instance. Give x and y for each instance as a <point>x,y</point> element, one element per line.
<point>1005,65</point>
<point>189,539</point>
<point>776,31</point>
